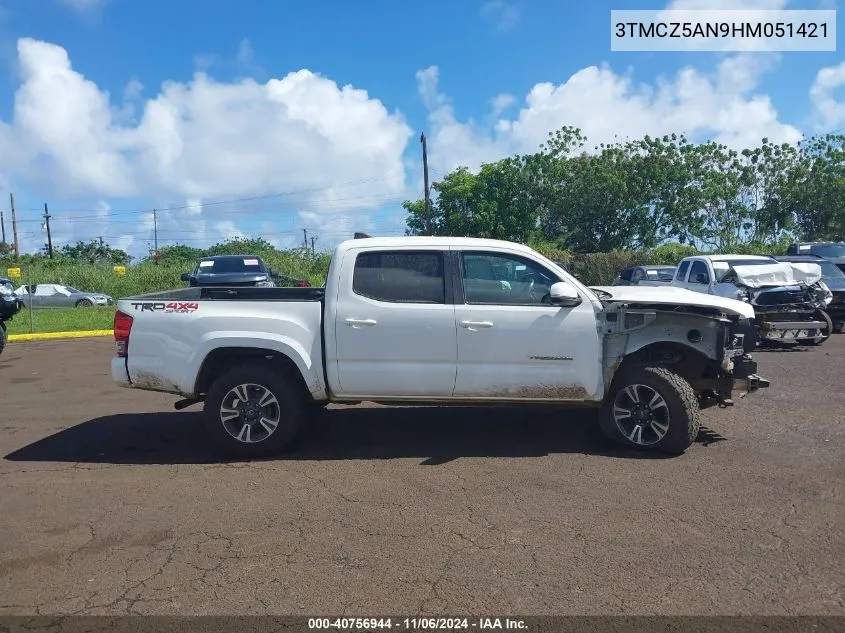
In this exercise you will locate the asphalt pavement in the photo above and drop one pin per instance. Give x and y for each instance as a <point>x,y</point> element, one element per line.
<point>110,503</point>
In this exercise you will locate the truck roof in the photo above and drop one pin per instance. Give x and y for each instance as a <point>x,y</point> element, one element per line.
<point>433,241</point>
<point>728,257</point>
<point>225,257</point>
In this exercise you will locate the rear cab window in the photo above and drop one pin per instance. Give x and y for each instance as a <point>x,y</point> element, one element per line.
<point>403,276</point>
<point>681,275</point>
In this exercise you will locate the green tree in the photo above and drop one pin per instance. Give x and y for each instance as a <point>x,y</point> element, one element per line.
<point>94,252</point>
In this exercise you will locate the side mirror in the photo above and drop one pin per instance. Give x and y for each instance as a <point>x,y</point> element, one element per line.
<point>185,277</point>
<point>564,295</point>
<point>702,278</point>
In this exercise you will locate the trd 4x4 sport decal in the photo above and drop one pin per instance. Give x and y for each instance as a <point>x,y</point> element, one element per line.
<point>167,308</point>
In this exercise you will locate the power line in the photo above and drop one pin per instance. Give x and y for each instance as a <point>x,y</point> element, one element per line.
<point>114,212</point>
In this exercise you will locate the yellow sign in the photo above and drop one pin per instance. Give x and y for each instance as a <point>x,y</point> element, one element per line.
<point>120,270</point>
<point>13,272</point>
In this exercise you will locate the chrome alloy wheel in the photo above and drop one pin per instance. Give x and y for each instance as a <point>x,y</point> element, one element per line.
<point>250,413</point>
<point>641,414</point>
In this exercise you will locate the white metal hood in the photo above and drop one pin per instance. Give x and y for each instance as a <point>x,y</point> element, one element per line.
<point>780,274</point>
<point>671,295</point>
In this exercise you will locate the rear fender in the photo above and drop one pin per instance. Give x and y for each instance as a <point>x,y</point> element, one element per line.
<point>308,362</point>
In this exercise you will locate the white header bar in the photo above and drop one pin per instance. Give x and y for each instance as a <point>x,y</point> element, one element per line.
<point>723,30</point>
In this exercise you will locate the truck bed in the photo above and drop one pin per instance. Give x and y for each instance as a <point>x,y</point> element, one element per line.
<point>239,293</point>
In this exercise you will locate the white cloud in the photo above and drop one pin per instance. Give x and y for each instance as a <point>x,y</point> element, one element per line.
<point>829,112</point>
<point>501,102</point>
<point>245,53</point>
<point>608,106</point>
<point>503,15</point>
<point>133,90</point>
<point>201,138</point>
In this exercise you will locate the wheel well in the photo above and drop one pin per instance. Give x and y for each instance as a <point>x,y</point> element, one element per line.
<point>684,360</point>
<point>226,357</point>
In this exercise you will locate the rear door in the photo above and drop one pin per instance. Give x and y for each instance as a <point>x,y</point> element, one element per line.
<point>699,278</point>
<point>395,324</point>
<point>681,274</point>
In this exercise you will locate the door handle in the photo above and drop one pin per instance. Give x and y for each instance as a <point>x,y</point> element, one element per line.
<point>476,324</point>
<point>360,322</point>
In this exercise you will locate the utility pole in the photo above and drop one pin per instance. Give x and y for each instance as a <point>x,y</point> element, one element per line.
<point>49,236</point>
<point>3,227</point>
<point>101,240</point>
<point>155,230</point>
<point>313,240</point>
<point>14,224</point>
<point>305,239</point>
<point>425,179</point>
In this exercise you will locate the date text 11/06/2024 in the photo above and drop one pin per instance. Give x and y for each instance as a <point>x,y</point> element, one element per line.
<point>416,624</point>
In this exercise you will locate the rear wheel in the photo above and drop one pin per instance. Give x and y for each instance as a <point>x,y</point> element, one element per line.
<point>253,411</point>
<point>3,336</point>
<point>651,408</point>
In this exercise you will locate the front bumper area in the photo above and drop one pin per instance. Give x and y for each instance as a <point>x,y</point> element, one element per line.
<point>744,377</point>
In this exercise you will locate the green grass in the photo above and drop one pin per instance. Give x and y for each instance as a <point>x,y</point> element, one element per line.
<point>61,320</point>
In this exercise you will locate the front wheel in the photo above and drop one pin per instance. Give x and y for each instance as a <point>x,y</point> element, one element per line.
<point>84,303</point>
<point>253,411</point>
<point>825,332</point>
<point>651,408</point>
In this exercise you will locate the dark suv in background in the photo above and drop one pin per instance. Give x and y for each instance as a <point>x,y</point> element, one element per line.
<point>833,278</point>
<point>831,251</point>
<point>238,270</point>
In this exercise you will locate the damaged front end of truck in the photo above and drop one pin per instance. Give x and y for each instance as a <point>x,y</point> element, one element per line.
<point>693,335</point>
<point>789,300</point>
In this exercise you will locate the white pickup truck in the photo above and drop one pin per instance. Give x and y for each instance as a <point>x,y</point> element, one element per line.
<point>425,320</point>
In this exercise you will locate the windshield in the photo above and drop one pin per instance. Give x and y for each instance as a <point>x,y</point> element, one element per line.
<point>70,289</point>
<point>721,268</point>
<point>6,288</point>
<point>230,265</point>
<point>830,270</point>
<point>826,250</point>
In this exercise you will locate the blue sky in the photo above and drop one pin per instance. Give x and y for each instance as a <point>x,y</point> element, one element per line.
<point>262,118</point>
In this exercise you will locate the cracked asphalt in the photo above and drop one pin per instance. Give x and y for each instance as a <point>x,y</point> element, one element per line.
<point>111,503</point>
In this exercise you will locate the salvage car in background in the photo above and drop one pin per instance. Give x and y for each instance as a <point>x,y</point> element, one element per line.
<point>789,300</point>
<point>60,296</point>
<point>645,276</point>
<point>237,271</point>
<point>834,279</point>
<point>10,305</point>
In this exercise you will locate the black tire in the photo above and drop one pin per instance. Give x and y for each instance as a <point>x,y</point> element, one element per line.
<point>289,408</point>
<point>839,328</point>
<point>681,413</point>
<point>83,303</point>
<point>3,336</point>
<point>826,332</point>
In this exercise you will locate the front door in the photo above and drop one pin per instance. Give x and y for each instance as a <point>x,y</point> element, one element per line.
<point>395,325</point>
<point>512,343</point>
